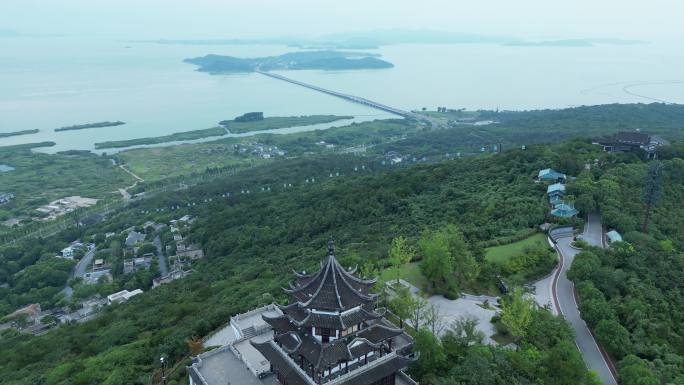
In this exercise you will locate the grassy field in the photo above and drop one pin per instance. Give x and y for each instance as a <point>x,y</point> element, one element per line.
<point>275,122</point>
<point>158,163</point>
<point>500,254</point>
<point>162,162</point>
<point>411,273</point>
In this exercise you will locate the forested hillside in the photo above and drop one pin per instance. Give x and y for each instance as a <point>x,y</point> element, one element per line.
<point>280,214</point>
<point>250,239</point>
<point>632,294</point>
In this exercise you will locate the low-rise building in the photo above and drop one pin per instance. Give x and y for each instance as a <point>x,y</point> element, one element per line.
<point>134,237</point>
<point>138,263</point>
<point>613,236</point>
<point>192,252</point>
<point>551,175</point>
<point>122,296</point>
<point>631,141</point>
<point>172,276</point>
<point>68,252</point>
<point>6,197</point>
<point>564,210</point>
<point>93,277</point>
<point>65,205</point>
<point>556,189</point>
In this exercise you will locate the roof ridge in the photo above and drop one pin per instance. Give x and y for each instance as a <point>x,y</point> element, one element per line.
<point>357,279</point>
<point>337,291</point>
<point>315,294</point>
<point>356,292</point>
<point>305,286</point>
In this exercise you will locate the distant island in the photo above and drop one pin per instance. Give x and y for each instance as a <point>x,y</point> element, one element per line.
<point>27,146</point>
<point>90,125</point>
<point>309,60</point>
<point>17,133</point>
<point>178,136</point>
<point>255,121</point>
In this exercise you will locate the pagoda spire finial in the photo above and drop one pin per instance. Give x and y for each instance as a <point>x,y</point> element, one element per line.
<point>331,247</point>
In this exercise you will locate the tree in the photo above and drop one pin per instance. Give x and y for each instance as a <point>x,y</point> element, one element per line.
<point>417,308</point>
<point>195,345</point>
<point>652,191</point>
<point>49,320</point>
<point>614,337</point>
<point>401,304</point>
<point>635,371</point>
<point>432,356</point>
<point>400,255</point>
<point>434,319</point>
<point>437,264</point>
<point>465,331</point>
<point>564,366</point>
<point>516,314</point>
<point>466,265</point>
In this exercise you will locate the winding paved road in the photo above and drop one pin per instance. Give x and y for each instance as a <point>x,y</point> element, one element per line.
<point>82,265</point>
<point>564,296</point>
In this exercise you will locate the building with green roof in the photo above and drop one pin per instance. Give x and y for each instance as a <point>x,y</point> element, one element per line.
<point>551,175</point>
<point>564,210</point>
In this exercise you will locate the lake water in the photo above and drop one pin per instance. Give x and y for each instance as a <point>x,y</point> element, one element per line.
<point>50,83</point>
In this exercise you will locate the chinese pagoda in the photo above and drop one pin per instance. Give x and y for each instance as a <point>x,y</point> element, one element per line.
<point>332,333</point>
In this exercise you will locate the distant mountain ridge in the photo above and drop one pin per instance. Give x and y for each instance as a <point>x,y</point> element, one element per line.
<point>373,39</point>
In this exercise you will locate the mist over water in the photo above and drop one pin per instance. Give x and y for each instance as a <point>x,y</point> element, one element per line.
<point>54,82</point>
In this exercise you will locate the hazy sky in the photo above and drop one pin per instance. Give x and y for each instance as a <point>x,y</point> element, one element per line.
<point>629,19</point>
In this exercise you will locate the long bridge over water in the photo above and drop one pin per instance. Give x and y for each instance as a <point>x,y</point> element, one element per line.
<point>354,99</point>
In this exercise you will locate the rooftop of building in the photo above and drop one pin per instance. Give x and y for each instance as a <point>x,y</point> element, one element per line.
<point>564,210</point>
<point>222,367</point>
<point>634,138</point>
<point>549,173</point>
<point>614,236</point>
<point>556,187</point>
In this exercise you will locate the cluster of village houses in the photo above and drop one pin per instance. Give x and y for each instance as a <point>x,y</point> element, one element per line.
<point>252,148</point>
<point>5,197</point>
<point>32,315</point>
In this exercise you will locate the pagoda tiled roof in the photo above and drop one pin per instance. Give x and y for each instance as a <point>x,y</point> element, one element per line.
<point>295,312</point>
<point>289,341</point>
<point>280,324</point>
<point>361,346</point>
<point>332,354</point>
<point>371,373</point>
<point>310,349</point>
<point>332,289</point>
<point>338,321</point>
<point>292,374</point>
<point>378,333</point>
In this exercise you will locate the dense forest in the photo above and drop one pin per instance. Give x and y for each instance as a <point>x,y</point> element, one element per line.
<point>632,294</point>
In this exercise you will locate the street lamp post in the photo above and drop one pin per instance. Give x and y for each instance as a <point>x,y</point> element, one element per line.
<point>162,361</point>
